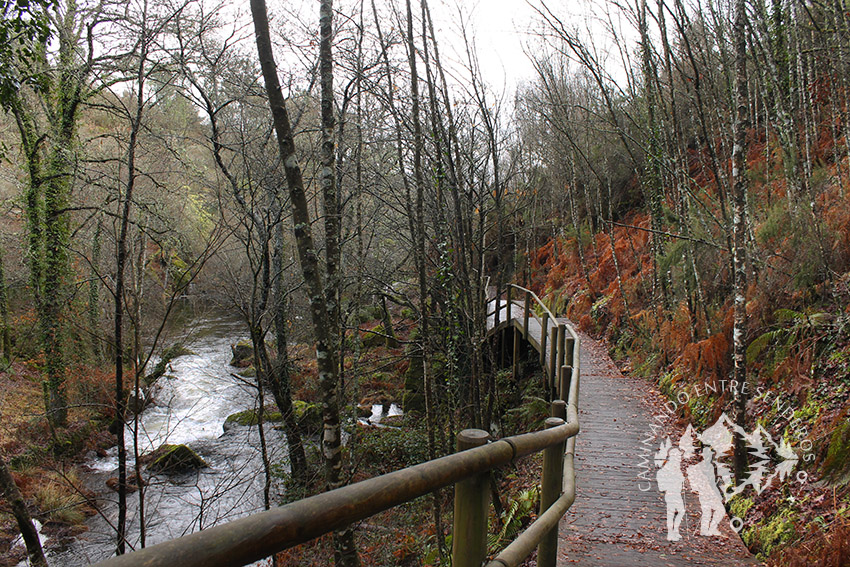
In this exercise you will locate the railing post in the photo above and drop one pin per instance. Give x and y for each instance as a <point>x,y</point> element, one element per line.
<point>562,333</point>
<point>553,477</point>
<point>525,313</point>
<point>510,299</point>
<point>515,357</point>
<point>569,351</point>
<point>472,500</point>
<point>553,360</point>
<point>565,379</point>
<point>559,409</point>
<point>544,335</point>
<point>496,320</point>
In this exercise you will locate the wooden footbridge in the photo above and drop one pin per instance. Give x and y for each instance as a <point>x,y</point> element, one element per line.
<point>618,525</point>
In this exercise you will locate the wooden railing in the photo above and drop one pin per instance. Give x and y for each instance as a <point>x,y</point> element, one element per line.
<point>263,534</point>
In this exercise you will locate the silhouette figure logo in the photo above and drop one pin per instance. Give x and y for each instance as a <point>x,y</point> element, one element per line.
<point>703,460</point>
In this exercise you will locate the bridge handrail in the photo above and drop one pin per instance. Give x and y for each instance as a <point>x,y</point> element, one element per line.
<point>521,289</point>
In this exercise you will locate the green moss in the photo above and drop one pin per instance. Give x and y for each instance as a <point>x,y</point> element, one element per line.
<point>369,313</point>
<point>777,532</point>
<point>251,418</point>
<point>739,506</point>
<point>810,411</point>
<point>836,465</point>
<point>414,375</point>
<point>176,459</point>
<point>308,415</point>
<point>375,337</point>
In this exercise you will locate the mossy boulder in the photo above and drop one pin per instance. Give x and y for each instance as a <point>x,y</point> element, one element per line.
<point>308,415</point>
<point>249,372</point>
<point>243,354</point>
<point>171,459</point>
<point>378,336</point>
<point>250,418</point>
<point>165,359</point>
<point>369,313</point>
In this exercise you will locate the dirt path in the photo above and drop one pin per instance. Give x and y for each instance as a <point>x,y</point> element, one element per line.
<point>613,522</point>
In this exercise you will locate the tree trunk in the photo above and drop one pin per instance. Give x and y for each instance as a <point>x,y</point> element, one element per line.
<point>739,229</point>
<point>19,510</point>
<point>279,373</point>
<point>319,312</point>
<point>5,335</point>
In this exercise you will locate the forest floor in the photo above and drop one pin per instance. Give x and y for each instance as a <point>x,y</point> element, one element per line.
<point>618,517</point>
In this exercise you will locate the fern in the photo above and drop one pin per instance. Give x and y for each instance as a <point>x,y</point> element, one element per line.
<point>513,519</point>
<point>798,326</point>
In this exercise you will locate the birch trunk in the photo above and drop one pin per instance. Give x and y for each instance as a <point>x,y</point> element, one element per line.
<point>739,229</point>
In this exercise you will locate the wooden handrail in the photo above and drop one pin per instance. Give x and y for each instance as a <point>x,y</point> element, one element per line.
<point>260,535</point>
<point>521,289</point>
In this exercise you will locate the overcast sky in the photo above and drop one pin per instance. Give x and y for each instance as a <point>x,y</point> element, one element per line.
<point>500,30</point>
<point>503,29</point>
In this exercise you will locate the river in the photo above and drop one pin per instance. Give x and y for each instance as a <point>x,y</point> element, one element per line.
<point>190,408</point>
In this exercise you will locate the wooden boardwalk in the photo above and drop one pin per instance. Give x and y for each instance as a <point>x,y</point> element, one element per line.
<point>613,523</point>
<point>618,519</point>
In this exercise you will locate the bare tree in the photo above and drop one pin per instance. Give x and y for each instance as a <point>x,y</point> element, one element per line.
<point>320,311</point>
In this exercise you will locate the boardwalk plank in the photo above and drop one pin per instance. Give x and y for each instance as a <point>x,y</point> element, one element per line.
<point>613,523</point>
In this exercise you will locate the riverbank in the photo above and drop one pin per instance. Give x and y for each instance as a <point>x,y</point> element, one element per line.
<point>47,465</point>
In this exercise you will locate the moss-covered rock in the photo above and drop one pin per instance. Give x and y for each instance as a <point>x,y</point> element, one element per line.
<point>165,359</point>
<point>308,416</point>
<point>378,336</point>
<point>250,418</point>
<point>369,313</point>
<point>243,354</point>
<point>169,459</point>
<point>249,372</point>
